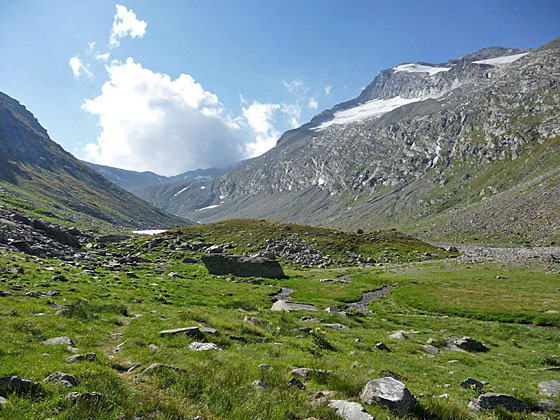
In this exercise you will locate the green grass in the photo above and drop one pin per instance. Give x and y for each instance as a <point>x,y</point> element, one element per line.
<point>438,300</point>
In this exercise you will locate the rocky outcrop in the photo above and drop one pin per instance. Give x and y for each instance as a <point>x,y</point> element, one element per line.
<point>390,393</point>
<point>243,266</point>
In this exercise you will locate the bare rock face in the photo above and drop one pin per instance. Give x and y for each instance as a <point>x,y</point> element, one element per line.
<point>549,388</point>
<point>390,393</point>
<point>243,266</point>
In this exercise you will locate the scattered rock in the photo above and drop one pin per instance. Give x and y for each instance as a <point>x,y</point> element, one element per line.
<point>332,310</point>
<point>265,366</point>
<point>62,379</point>
<point>390,393</point>
<point>190,260</point>
<point>296,382</point>
<point>382,347</point>
<point>335,326</point>
<point>189,331</point>
<point>491,401</point>
<point>16,385</point>
<point>431,349</point>
<point>90,357</point>
<point>158,367</point>
<point>549,388</point>
<point>131,275</point>
<point>548,405</point>
<point>472,383</point>
<point>88,397</point>
<point>282,305</point>
<point>399,335</point>
<point>252,320</point>
<point>260,385</point>
<point>203,346</point>
<point>3,401</point>
<point>470,344</point>
<point>304,373</point>
<point>310,319</point>
<point>65,341</point>
<point>242,266</point>
<point>349,410</point>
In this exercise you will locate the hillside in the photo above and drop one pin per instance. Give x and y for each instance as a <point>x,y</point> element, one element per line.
<point>41,179</point>
<point>467,149</point>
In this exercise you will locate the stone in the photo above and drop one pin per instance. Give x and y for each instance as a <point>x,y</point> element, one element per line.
<point>548,405</point>
<point>64,341</point>
<point>390,393</point>
<point>491,401</point>
<point>131,275</point>
<point>90,357</point>
<point>470,344</point>
<point>189,331</point>
<point>208,330</point>
<point>304,373</point>
<point>282,305</point>
<point>203,346</point>
<point>332,310</point>
<point>242,266</point>
<point>472,383</point>
<point>296,382</point>
<point>335,326</point>
<point>190,260</point>
<point>260,385</point>
<point>90,397</point>
<point>61,378</point>
<point>549,388</point>
<point>349,410</point>
<point>3,401</point>
<point>265,366</point>
<point>398,335</point>
<point>16,385</point>
<point>431,349</point>
<point>310,319</point>
<point>158,367</point>
<point>252,320</point>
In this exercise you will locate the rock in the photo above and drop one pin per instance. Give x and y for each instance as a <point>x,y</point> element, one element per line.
<point>399,335</point>
<point>243,266</point>
<point>382,347</point>
<point>390,393</point>
<point>62,379</point>
<point>472,383</point>
<point>491,400</point>
<point>252,320</point>
<point>304,373</point>
<point>335,326</point>
<point>189,331</point>
<point>392,374</point>
<point>190,260</point>
<point>174,276</point>
<point>90,397</point>
<point>64,341</point>
<point>549,388</point>
<point>310,319</point>
<point>16,385</point>
<point>260,385</point>
<point>548,405</point>
<point>349,410</point>
<point>131,275</point>
<point>208,330</point>
<point>265,366</point>
<point>90,357</point>
<point>431,349</point>
<point>282,305</point>
<point>203,346</point>
<point>158,367</point>
<point>332,310</point>
<point>470,344</point>
<point>296,382</point>
<point>3,401</point>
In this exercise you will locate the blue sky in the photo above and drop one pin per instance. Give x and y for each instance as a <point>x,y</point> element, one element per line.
<point>251,69</point>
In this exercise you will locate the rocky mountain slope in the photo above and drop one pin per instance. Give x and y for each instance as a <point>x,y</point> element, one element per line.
<point>38,177</point>
<point>468,149</point>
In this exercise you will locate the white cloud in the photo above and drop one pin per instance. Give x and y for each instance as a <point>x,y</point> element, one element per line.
<point>293,86</point>
<point>150,122</point>
<point>125,24</point>
<point>312,104</point>
<point>260,118</point>
<point>79,68</point>
<point>103,57</point>
<point>91,45</point>
<point>293,111</point>
<point>328,90</point>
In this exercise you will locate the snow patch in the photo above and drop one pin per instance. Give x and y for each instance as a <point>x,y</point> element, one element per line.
<point>420,68</point>
<point>371,109</point>
<point>179,192</point>
<point>213,206</point>
<point>203,187</point>
<point>149,231</point>
<point>506,59</point>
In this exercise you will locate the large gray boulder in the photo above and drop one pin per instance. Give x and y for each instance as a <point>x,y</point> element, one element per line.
<point>287,306</point>
<point>549,388</point>
<point>243,266</point>
<point>62,378</point>
<point>349,410</point>
<point>390,393</point>
<point>16,385</point>
<point>470,344</point>
<point>491,401</point>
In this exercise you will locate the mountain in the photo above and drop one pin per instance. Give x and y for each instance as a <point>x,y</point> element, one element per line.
<point>39,177</point>
<point>468,149</point>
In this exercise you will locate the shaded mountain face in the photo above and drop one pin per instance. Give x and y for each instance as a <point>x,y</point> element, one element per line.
<point>468,149</point>
<point>37,174</point>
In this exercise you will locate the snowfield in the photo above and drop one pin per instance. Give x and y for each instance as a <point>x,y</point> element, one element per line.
<point>149,231</point>
<point>213,206</point>
<point>506,59</point>
<point>179,192</point>
<point>420,68</point>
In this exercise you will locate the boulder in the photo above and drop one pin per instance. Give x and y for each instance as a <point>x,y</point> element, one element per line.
<point>92,397</point>
<point>90,357</point>
<point>189,331</point>
<point>203,346</point>
<point>242,266</point>
<point>491,401</point>
<point>470,344</point>
<point>16,385</point>
<point>349,410</point>
<point>390,393</point>
<point>398,335</point>
<point>64,379</point>
<point>549,388</point>
<point>548,405</point>
<point>282,305</point>
<point>65,341</point>
<point>303,373</point>
<point>260,385</point>
<point>296,382</point>
<point>158,367</point>
<point>472,383</point>
<point>431,349</point>
<point>382,347</point>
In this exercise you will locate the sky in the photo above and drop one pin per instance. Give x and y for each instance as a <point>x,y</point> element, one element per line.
<point>178,85</point>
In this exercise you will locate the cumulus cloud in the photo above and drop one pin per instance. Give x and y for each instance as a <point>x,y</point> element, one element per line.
<point>103,57</point>
<point>312,103</point>
<point>125,24</point>
<point>150,122</point>
<point>260,118</point>
<point>79,68</point>
<point>328,90</point>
